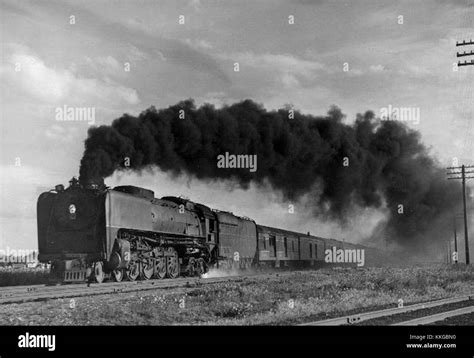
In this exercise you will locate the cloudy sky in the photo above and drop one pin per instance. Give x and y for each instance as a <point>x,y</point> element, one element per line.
<point>124,56</point>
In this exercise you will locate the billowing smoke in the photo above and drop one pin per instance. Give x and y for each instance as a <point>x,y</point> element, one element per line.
<point>369,163</point>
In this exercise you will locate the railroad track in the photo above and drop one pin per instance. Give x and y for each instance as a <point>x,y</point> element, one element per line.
<point>19,294</point>
<point>436,317</point>
<point>366,316</point>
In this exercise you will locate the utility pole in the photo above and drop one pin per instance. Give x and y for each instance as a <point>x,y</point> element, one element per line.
<point>471,53</point>
<point>455,242</point>
<point>449,252</point>
<point>463,172</point>
<point>455,171</point>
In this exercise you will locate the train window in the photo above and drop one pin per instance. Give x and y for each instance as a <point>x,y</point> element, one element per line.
<point>264,243</point>
<point>285,241</point>
<point>211,225</point>
<point>272,242</point>
<point>315,251</point>
<point>293,246</point>
<point>310,250</point>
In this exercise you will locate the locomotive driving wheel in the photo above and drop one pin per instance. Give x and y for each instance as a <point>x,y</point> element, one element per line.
<point>133,271</point>
<point>117,275</point>
<point>191,266</point>
<point>200,267</point>
<point>146,269</point>
<point>160,269</point>
<point>98,272</point>
<point>172,263</point>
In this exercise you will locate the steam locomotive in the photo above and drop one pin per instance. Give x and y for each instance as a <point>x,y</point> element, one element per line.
<point>92,232</point>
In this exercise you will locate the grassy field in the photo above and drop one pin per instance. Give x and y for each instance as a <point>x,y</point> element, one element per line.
<point>23,277</point>
<point>282,299</point>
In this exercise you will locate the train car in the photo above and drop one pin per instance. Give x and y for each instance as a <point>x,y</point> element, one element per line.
<point>237,241</point>
<point>312,250</point>
<point>93,232</point>
<point>284,248</point>
<point>277,247</point>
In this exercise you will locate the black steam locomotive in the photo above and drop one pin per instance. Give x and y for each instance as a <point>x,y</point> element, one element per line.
<point>91,232</point>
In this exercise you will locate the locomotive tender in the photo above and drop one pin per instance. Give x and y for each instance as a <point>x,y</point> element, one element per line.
<point>91,232</point>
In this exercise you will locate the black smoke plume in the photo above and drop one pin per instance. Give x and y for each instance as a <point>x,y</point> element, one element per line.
<point>387,163</point>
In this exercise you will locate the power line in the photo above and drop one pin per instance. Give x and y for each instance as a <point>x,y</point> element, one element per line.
<point>464,43</point>
<point>458,54</point>
<point>465,54</point>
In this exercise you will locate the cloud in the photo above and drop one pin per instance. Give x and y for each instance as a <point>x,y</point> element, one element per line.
<point>199,44</point>
<point>19,191</point>
<point>288,69</point>
<point>61,133</point>
<point>135,54</point>
<point>218,99</point>
<point>29,74</point>
<point>13,9</point>
<point>310,100</point>
<point>195,5</point>
<point>147,38</point>
<point>107,64</point>
<point>282,62</point>
<point>20,188</point>
<point>377,68</point>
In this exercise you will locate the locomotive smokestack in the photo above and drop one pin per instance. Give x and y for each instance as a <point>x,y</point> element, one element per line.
<point>73,182</point>
<point>91,182</point>
<point>371,163</point>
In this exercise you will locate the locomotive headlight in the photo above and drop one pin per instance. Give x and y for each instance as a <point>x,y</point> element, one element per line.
<point>72,209</point>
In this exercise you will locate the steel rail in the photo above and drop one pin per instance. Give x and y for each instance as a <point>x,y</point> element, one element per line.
<point>78,290</point>
<point>19,294</point>
<point>365,316</point>
<point>436,317</point>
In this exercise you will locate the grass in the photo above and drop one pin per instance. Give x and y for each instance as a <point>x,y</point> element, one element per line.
<point>285,299</point>
<point>23,277</point>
